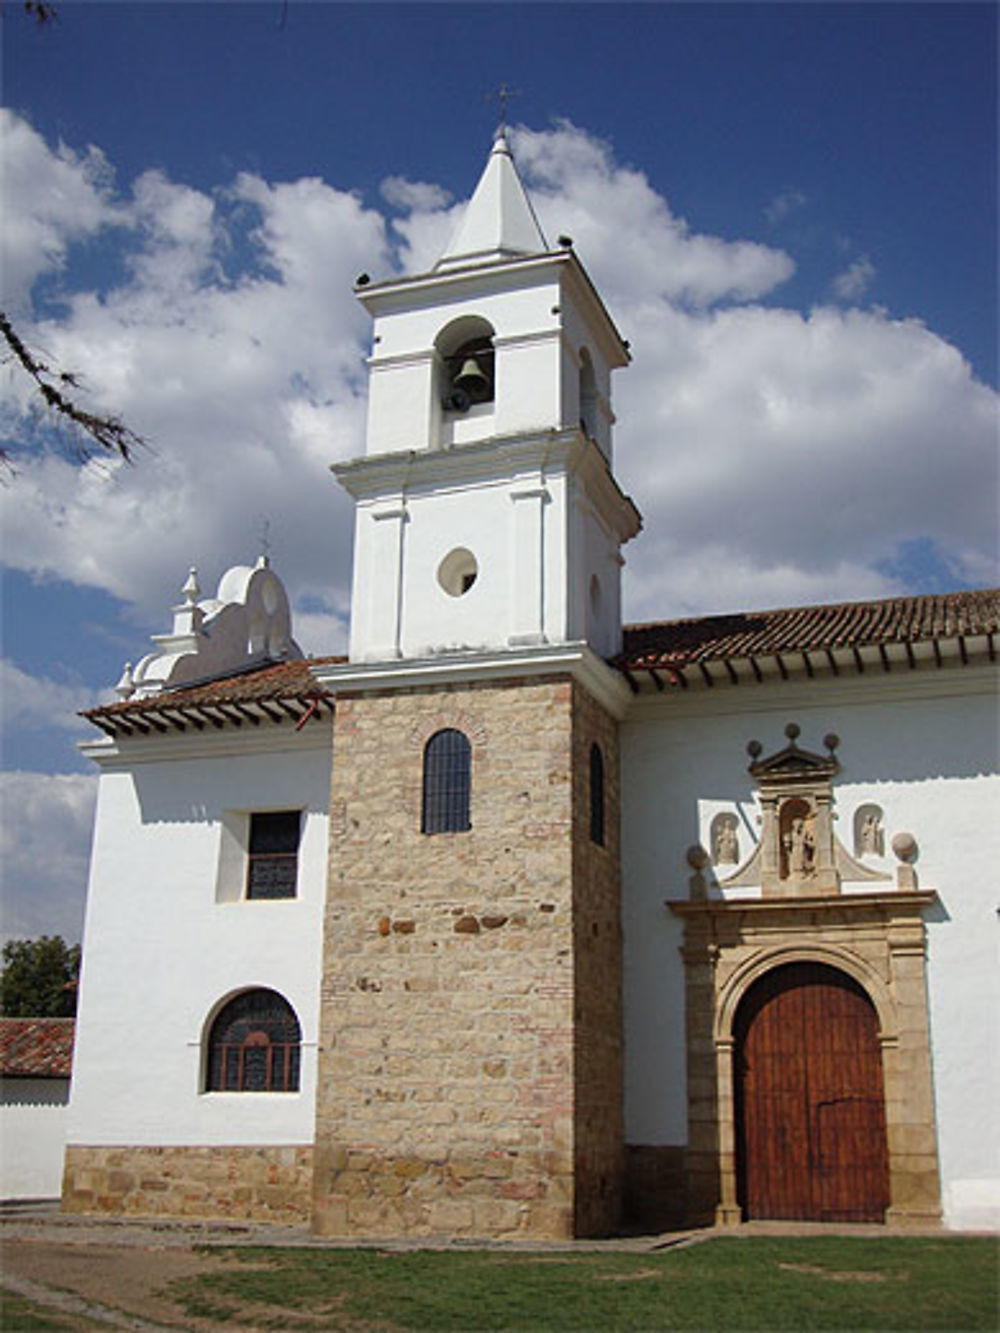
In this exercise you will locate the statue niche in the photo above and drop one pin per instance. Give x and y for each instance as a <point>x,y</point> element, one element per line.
<point>798,853</point>
<point>797,822</point>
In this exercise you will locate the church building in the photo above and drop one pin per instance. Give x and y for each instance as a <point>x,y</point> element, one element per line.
<point>518,922</point>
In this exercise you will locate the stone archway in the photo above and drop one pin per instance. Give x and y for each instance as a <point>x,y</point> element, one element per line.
<point>878,940</point>
<point>809,1103</point>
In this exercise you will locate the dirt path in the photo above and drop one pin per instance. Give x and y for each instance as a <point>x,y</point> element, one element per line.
<point>115,1285</point>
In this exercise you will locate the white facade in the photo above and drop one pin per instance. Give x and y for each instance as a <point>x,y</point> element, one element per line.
<point>32,1136</point>
<point>923,750</point>
<point>167,942</point>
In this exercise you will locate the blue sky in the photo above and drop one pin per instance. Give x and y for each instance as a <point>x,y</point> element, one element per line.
<point>790,209</point>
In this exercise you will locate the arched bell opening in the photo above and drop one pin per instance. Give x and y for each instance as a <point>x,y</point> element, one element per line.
<point>466,365</point>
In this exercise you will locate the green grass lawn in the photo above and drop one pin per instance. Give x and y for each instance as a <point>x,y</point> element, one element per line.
<point>18,1315</point>
<point>724,1283</point>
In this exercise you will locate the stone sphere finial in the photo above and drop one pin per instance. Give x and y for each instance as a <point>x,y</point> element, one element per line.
<point>905,847</point>
<point>792,731</point>
<point>831,740</point>
<point>697,857</point>
<point>754,749</point>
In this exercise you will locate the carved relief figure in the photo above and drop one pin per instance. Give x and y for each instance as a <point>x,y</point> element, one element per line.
<point>725,843</point>
<point>800,848</point>
<point>798,840</point>
<point>871,836</point>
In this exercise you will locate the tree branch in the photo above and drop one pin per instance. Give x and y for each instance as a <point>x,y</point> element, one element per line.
<point>108,432</point>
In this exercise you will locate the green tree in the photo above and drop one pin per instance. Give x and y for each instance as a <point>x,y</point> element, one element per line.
<point>39,978</point>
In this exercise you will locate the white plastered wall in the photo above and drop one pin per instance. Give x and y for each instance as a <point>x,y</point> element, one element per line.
<point>928,758</point>
<point>161,952</point>
<point>32,1137</point>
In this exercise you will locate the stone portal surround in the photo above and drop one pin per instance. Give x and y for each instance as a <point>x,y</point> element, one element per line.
<point>469,1081</point>
<point>262,1184</point>
<point>877,939</point>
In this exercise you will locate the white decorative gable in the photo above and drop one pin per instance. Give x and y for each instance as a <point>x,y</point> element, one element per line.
<point>247,623</point>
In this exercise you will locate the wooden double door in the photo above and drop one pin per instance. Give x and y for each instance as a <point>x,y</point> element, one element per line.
<point>810,1111</point>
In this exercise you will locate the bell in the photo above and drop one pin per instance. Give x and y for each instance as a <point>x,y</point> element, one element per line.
<point>471,378</point>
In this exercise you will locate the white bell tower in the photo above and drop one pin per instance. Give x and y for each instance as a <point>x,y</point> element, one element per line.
<point>487,514</point>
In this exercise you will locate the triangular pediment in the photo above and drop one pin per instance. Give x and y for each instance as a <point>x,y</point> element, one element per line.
<point>792,762</point>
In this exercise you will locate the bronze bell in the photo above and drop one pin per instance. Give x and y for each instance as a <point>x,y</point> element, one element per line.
<point>471,377</point>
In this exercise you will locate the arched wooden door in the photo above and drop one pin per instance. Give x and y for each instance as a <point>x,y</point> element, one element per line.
<point>809,1101</point>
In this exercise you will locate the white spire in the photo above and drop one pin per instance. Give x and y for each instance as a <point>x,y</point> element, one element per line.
<point>499,222</point>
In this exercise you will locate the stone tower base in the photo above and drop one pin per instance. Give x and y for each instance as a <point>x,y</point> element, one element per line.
<point>470,1033</point>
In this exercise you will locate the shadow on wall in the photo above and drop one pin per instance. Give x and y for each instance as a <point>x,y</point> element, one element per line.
<point>197,792</point>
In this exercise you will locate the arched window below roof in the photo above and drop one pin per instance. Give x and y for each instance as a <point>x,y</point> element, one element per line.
<point>254,1045</point>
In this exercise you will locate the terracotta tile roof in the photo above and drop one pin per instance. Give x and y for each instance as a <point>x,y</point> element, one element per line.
<point>36,1047</point>
<point>279,691</point>
<point>841,625</point>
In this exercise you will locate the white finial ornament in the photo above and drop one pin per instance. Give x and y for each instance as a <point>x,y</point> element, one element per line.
<point>126,686</point>
<point>191,589</point>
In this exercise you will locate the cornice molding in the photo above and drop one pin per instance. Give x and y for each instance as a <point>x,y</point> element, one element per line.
<point>925,681</point>
<point>575,660</point>
<point>125,751</point>
<point>497,460</point>
<point>894,902</point>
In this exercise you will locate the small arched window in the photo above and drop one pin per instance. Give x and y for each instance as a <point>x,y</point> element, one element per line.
<point>588,394</point>
<point>596,795</point>
<point>254,1045</point>
<point>447,781</point>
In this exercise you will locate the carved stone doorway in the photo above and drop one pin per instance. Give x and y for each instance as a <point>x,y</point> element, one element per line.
<point>810,1111</point>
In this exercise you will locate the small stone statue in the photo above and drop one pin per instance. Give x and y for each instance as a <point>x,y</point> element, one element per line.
<point>872,839</point>
<point>727,847</point>
<point>800,848</point>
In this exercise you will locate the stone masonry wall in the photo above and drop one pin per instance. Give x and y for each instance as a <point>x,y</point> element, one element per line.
<point>446,1099</point>
<point>263,1184</point>
<point>597,947</point>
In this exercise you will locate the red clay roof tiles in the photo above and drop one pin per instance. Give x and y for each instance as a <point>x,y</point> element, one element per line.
<point>36,1047</point>
<point>277,680</point>
<point>805,628</point>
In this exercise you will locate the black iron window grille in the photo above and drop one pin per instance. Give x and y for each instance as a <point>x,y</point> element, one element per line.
<point>273,854</point>
<point>447,782</point>
<point>596,795</point>
<point>254,1045</point>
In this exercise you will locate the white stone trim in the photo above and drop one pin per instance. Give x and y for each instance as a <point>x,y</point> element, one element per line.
<point>575,659</point>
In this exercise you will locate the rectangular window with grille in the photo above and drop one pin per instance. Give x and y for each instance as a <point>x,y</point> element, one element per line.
<point>273,854</point>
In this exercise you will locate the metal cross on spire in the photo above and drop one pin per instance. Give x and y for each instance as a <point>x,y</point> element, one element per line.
<point>503,95</point>
<point>265,539</point>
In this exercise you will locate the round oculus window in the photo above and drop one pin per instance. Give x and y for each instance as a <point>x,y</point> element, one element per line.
<point>457,572</point>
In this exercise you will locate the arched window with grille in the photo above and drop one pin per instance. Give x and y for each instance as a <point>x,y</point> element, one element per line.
<point>596,795</point>
<point>254,1045</point>
<point>447,782</point>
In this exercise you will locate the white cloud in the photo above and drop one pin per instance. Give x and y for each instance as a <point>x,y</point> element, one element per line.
<point>247,386</point>
<point>45,849</point>
<point>783,458</point>
<point>413,195</point>
<point>52,199</point>
<point>788,200</point>
<point>624,229</point>
<point>855,280</point>
<point>35,701</point>
<point>776,455</point>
